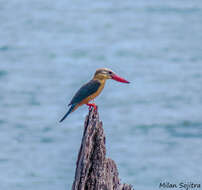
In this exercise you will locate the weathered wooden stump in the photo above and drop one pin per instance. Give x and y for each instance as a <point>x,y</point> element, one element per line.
<point>93,170</point>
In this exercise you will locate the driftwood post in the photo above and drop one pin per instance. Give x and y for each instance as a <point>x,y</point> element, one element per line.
<point>93,170</point>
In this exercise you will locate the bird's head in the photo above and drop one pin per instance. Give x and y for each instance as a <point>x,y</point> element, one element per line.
<point>104,73</point>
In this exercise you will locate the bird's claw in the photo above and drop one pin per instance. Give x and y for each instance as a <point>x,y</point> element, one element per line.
<point>92,105</point>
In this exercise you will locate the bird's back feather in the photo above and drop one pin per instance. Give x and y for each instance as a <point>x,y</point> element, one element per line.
<point>85,91</point>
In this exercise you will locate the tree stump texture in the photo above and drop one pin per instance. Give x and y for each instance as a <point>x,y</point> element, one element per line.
<point>93,170</point>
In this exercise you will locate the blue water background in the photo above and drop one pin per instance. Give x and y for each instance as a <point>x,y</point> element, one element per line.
<point>153,126</point>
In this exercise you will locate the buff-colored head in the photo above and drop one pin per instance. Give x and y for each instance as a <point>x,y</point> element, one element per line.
<point>105,73</point>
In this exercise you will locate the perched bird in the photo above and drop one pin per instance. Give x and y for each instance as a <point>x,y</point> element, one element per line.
<point>92,89</point>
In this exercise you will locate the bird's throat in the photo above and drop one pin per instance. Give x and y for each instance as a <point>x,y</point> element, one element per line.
<point>101,80</point>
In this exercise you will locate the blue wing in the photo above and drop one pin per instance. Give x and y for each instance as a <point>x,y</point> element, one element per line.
<point>85,91</point>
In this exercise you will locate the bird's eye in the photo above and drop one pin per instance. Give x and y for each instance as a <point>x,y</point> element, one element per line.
<point>110,72</point>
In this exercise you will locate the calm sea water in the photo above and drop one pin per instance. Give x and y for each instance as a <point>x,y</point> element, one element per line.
<point>153,126</point>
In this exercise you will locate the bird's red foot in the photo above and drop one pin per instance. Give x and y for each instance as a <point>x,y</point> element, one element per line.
<point>92,105</point>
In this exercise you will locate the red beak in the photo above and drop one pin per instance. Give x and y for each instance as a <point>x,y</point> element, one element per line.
<point>119,79</point>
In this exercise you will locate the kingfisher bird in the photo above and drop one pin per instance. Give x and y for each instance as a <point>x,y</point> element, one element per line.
<point>92,89</point>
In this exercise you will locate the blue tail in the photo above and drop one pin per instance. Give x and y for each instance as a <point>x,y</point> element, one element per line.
<point>69,111</point>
